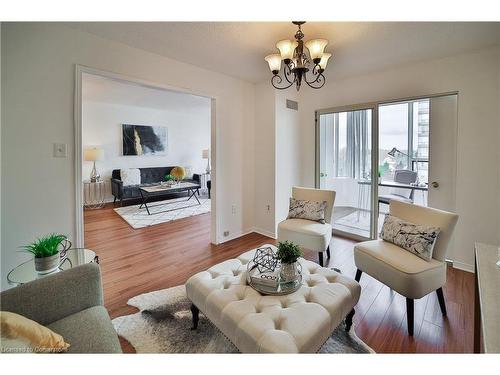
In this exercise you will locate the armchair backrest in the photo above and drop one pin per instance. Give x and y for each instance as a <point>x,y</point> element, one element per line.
<point>317,195</point>
<point>415,214</point>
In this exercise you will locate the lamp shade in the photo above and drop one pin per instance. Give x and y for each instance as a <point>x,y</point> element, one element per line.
<point>287,48</point>
<point>205,154</point>
<point>274,62</point>
<point>316,48</point>
<point>324,60</point>
<point>94,154</point>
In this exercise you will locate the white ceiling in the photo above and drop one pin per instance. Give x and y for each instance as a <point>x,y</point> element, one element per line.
<point>105,90</point>
<point>238,48</point>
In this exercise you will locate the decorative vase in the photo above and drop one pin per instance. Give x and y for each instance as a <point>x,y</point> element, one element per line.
<point>47,264</point>
<point>289,272</point>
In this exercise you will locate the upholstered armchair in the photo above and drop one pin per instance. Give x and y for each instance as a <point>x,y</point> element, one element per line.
<point>402,271</point>
<point>309,234</point>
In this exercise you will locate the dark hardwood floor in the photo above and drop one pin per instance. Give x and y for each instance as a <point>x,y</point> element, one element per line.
<point>165,255</point>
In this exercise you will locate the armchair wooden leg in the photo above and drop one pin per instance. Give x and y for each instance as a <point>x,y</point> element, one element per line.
<point>321,259</point>
<point>442,304</point>
<point>348,320</point>
<point>409,315</point>
<point>358,275</point>
<point>328,252</point>
<point>196,316</point>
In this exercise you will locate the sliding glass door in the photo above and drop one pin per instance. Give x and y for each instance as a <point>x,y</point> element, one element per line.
<point>345,165</point>
<point>375,153</point>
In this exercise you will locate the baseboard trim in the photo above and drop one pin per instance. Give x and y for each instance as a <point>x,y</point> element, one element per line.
<point>463,266</point>
<point>234,236</point>
<point>244,233</point>
<point>264,232</point>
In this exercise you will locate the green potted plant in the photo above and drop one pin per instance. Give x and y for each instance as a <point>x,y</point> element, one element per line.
<point>46,252</point>
<point>288,253</point>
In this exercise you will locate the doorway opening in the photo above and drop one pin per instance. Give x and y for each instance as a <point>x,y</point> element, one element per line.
<point>144,154</point>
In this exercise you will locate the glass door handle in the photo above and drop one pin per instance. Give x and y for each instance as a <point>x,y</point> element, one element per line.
<point>323,174</point>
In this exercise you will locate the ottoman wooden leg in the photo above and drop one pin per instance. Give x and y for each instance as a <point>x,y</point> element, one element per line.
<point>321,259</point>
<point>196,316</point>
<point>348,320</point>
<point>358,275</point>
<point>328,252</point>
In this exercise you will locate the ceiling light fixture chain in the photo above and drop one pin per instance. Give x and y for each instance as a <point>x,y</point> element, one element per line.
<point>297,63</point>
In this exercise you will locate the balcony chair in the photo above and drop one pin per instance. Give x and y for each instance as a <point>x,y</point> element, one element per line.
<point>309,234</point>
<point>403,271</point>
<point>401,176</point>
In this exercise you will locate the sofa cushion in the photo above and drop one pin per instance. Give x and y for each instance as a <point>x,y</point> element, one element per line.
<point>88,331</point>
<point>407,274</point>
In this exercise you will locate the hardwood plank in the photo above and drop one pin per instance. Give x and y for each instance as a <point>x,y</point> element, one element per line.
<point>165,255</point>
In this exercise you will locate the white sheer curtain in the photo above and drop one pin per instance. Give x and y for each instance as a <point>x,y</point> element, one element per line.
<point>358,145</point>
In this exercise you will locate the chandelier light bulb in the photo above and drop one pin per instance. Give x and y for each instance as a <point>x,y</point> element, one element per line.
<point>274,62</point>
<point>324,60</point>
<point>316,48</point>
<point>287,49</point>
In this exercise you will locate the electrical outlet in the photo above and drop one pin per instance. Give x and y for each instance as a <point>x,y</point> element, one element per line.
<point>59,150</point>
<point>226,233</point>
<point>233,209</point>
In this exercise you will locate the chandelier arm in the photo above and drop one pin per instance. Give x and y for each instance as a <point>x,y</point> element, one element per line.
<point>318,82</point>
<point>287,73</point>
<point>279,81</point>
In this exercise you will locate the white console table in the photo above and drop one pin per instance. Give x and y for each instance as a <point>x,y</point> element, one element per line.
<point>487,299</point>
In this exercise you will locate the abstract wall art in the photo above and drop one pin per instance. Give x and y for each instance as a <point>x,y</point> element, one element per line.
<point>141,140</point>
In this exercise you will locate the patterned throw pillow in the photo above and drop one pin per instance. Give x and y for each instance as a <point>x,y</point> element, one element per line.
<point>130,176</point>
<point>309,210</point>
<point>417,239</point>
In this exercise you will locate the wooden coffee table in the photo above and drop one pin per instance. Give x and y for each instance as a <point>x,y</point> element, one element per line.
<point>154,191</point>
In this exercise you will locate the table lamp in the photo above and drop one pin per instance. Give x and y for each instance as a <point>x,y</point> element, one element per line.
<point>205,154</point>
<point>94,154</point>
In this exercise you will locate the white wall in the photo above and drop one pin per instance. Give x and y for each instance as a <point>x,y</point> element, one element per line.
<point>265,159</point>
<point>475,77</point>
<point>38,62</point>
<point>277,156</point>
<point>188,135</point>
<point>288,155</point>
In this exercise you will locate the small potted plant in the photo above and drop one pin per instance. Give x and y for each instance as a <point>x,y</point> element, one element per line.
<point>288,253</point>
<point>46,251</point>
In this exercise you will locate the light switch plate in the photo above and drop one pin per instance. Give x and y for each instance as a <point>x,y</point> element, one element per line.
<point>59,150</point>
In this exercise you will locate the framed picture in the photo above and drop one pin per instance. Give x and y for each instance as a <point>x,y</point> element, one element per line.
<point>144,140</point>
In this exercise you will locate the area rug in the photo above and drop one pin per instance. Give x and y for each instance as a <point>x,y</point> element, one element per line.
<point>164,321</point>
<point>177,209</point>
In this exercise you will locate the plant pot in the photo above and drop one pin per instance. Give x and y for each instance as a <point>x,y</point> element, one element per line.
<point>47,264</point>
<point>289,272</point>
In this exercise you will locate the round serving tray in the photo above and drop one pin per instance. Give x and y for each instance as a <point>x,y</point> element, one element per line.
<point>282,288</point>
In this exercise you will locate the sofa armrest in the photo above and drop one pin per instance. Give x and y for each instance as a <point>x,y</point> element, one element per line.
<point>56,296</point>
<point>117,187</point>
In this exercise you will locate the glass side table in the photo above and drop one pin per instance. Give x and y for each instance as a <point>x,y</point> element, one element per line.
<point>93,194</point>
<point>25,272</point>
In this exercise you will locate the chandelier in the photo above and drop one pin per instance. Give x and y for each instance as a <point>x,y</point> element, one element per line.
<point>297,63</point>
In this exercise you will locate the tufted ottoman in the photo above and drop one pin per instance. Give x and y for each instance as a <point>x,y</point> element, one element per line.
<point>300,322</point>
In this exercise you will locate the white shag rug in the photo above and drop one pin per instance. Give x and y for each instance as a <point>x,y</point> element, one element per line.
<point>174,209</point>
<point>163,325</point>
